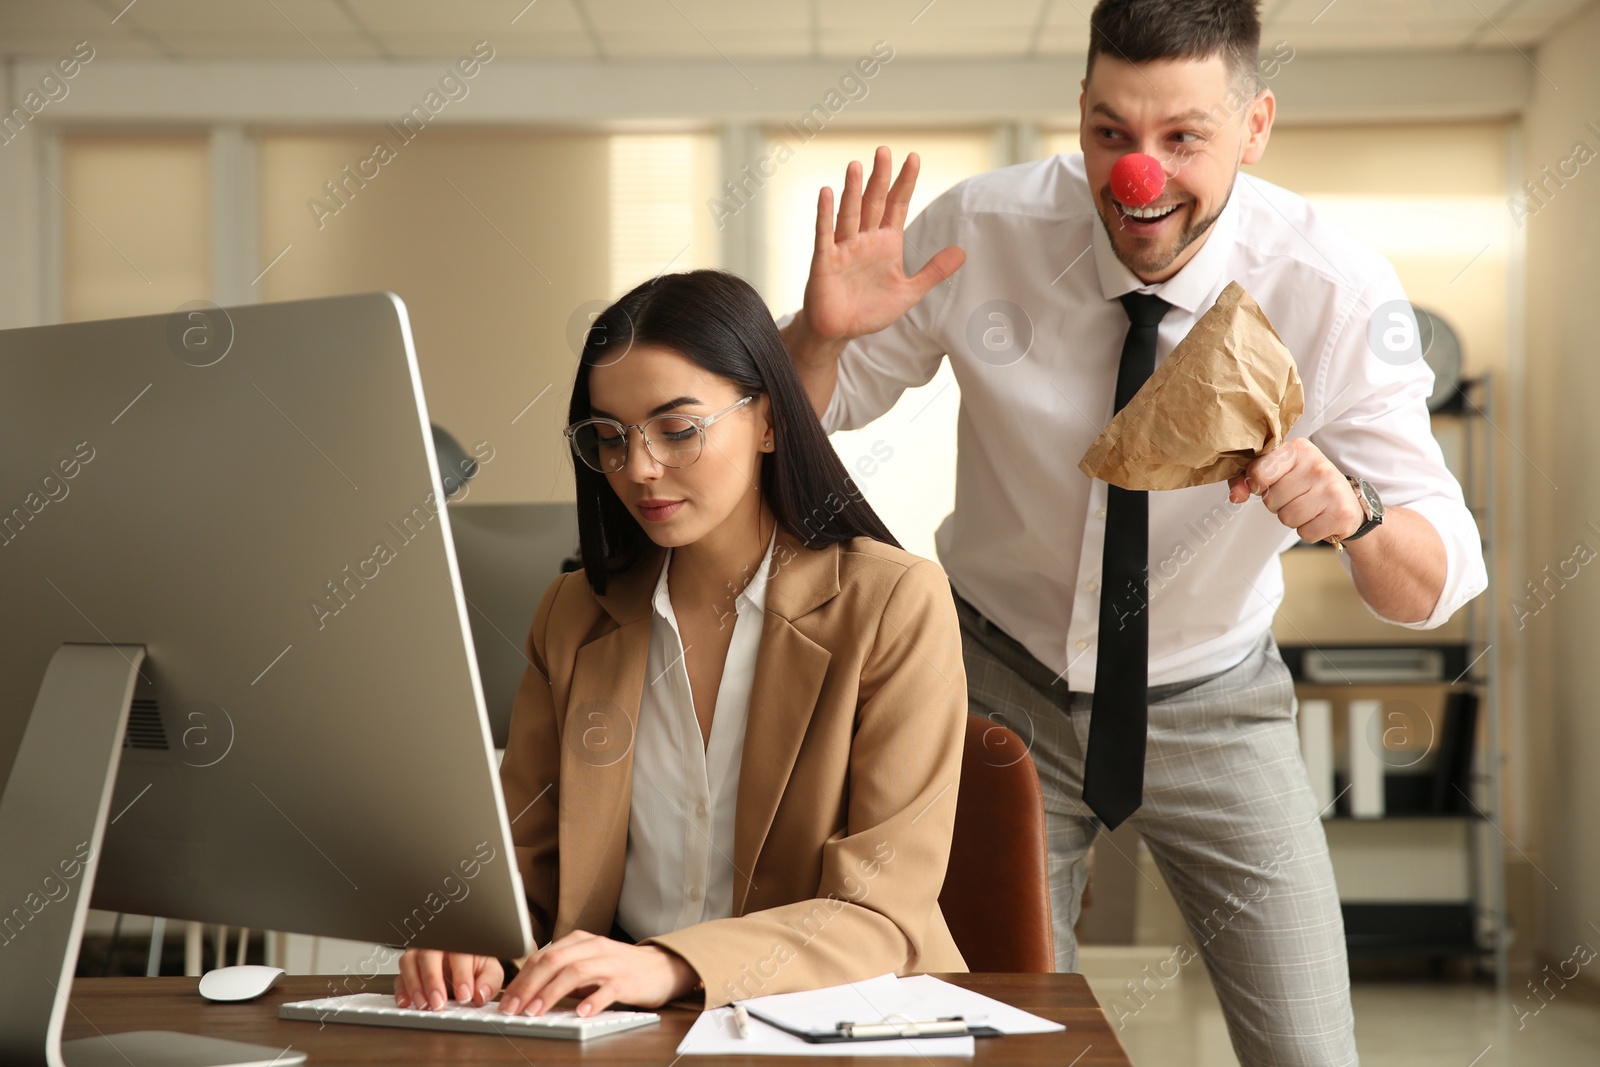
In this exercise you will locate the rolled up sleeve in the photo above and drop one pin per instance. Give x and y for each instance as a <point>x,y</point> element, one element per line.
<point>1378,427</point>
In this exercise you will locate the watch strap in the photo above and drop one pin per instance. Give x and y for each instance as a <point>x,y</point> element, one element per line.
<point>1373,521</point>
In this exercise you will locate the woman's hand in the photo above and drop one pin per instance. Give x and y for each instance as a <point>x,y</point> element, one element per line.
<point>601,970</point>
<point>429,977</point>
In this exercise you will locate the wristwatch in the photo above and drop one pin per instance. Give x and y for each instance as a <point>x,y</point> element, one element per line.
<point>1371,507</point>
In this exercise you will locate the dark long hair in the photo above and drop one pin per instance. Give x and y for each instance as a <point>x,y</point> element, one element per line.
<point>719,322</point>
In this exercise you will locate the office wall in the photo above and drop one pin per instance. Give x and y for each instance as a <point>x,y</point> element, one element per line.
<point>1561,623</point>
<point>481,232</point>
<point>135,223</point>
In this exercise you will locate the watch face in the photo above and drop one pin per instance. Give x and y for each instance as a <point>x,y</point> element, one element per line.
<point>1370,495</point>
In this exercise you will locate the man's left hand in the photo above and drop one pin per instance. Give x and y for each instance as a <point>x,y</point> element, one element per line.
<point>1303,489</point>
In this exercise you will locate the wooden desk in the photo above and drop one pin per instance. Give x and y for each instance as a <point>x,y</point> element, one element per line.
<point>111,1005</point>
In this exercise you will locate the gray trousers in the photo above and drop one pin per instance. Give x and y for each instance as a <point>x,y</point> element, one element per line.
<point>1233,826</point>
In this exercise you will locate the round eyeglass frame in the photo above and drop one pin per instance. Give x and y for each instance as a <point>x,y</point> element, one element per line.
<point>699,422</point>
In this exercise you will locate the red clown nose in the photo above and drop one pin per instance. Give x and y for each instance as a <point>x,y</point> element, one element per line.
<point>1137,179</point>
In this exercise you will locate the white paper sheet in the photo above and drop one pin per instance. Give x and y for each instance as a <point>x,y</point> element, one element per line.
<point>943,998</point>
<point>715,1033</point>
<point>920,997</point>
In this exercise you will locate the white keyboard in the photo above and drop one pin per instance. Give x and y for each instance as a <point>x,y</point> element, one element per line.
<point>378,1009</point>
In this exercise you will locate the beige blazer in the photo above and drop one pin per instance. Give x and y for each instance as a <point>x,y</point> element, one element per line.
<point>847,790</point>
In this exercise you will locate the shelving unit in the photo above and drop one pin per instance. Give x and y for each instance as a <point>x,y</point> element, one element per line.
<point>1426,878</point>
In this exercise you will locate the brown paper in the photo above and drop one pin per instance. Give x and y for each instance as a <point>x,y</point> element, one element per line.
<point>1226,394</point>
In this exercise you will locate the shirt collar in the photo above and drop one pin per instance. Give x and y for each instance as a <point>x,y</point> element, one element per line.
<point>754,594</point>
<point>1193,284</point>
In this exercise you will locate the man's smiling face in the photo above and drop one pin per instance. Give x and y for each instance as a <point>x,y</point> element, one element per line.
<point>1200,119</point>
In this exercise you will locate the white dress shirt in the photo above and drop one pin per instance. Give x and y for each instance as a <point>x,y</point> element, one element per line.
<point>679,868</point>
<point>1024,542</point>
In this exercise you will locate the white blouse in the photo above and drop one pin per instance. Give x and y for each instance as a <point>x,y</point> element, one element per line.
<point>679,868</point>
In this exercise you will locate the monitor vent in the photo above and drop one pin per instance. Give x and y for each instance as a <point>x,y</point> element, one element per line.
<point>144,726</point>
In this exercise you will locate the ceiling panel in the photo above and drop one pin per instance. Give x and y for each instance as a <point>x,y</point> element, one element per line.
<point>237,18</point>
<point>997,41</point>
<point>480,19</point>
<point>712,16</point>
<point>450,45</point>
<point>1069,13</point>
<point>711,29</point>
<point>691,45</point>
<point>63,18</point>
<point>276,44</point>
<point>1525,32</point>
<point>881,17</point>
<point>54,46</point>
<point>1329,12</point>
<point>946,16</point>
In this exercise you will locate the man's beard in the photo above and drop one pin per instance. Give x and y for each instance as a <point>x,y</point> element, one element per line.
<point>1154,260</point>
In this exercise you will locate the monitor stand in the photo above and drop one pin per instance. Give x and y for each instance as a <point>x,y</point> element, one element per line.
<point>53,817</point>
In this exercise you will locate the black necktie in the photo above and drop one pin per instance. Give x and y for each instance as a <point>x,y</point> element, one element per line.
<point>1113,766</point>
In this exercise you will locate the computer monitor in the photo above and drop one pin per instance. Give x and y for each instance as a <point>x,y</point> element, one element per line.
<point>235,662</point>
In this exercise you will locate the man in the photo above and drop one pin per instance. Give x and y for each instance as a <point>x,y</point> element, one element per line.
<point>1127,635</point>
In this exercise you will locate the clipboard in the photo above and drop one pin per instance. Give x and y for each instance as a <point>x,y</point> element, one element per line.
<point>884,1030</point>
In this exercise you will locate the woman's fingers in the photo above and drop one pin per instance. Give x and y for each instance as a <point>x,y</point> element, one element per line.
<point>432,973</point>
<point>429,977</point>
<point>584,975</point>
<point>532,985</point>
<point>416,997</point>
<point>461,978</point>
<point>601,998</point>
<point>405,983</point>
<point>522,992</point>
<point>430,970</point>
<point>598,972</point>
<point>486,979</point>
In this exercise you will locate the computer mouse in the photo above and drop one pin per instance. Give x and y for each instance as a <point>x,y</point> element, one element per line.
<point>238,983</point>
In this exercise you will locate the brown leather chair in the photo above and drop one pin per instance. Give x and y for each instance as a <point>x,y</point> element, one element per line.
<point>996,895</point>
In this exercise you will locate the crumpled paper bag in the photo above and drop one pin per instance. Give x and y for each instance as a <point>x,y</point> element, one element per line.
<point>1226,394</point>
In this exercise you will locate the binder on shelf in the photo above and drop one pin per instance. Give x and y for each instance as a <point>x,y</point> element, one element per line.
<point>1452,769</point>
<point>1363,744</point>
<point>1316,747</point>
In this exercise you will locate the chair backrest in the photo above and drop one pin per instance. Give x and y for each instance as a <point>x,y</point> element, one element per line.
<point>996,895</point>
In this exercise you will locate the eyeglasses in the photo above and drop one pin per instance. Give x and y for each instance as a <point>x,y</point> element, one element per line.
<point>671,440</point>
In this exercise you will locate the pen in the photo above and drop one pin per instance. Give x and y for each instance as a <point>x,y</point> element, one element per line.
<point>946,1026</point>
<point>741,1019</point>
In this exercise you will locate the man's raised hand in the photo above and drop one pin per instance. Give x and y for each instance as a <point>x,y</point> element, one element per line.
<point>858,283</point>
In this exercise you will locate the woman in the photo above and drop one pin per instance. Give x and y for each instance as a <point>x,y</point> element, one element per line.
<point>739,737</point>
